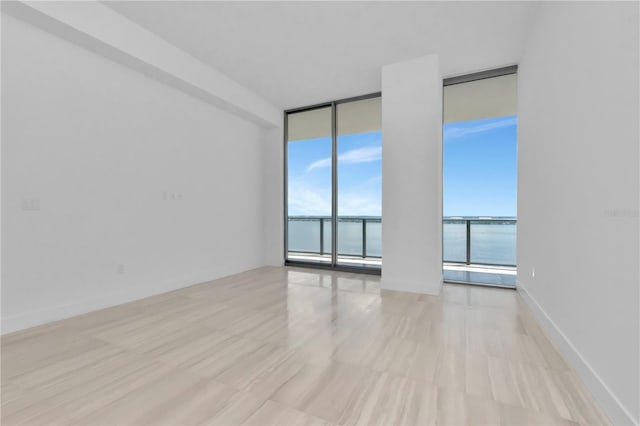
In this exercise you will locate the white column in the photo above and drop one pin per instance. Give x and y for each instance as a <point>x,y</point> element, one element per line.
<point>412,176</point>
<point>273,196</point>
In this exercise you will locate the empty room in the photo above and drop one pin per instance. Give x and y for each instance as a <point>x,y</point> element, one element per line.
<point>320,212</point>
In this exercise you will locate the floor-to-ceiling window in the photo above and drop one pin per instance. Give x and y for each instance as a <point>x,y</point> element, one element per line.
<point>309,172</point>
<point>334,183</point>
<point>480,178</point>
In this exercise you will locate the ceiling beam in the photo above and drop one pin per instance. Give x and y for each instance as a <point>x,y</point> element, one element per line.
<point>97,27</point>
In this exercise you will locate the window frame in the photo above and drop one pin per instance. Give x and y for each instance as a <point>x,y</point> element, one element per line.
<point>333,265</point>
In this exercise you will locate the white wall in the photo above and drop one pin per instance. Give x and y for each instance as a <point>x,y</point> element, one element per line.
<point>578,192</point>
<point>98,145</point>
<point>412,176</point>
<point>273,197</point>
<point>96,26</point>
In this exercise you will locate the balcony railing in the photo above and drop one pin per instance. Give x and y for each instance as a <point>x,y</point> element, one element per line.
<point>479,241</point>
<point>357,236</point>
<point>466,240</point>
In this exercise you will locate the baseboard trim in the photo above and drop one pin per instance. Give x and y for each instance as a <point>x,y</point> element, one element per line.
<point>606,399</point>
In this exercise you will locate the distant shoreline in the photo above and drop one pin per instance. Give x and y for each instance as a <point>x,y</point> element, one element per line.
<point>379,217</point>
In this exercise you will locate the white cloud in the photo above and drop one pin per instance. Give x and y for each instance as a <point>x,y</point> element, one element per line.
<point>361,155</point>
<point>354,205</point>
<point>308,202</point>
<point>355,156</point>
<point>325,162</point>
<point>458,132</point>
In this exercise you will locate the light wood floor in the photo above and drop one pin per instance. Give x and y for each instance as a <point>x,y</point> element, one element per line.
<point>292,346</point>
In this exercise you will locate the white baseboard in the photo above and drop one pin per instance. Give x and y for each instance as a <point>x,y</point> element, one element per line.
<point>601,393</point>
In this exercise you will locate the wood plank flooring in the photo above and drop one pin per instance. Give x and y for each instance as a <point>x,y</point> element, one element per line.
<point>290,347</point>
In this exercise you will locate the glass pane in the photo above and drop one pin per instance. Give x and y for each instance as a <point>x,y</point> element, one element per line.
<point>350,236</point>
<point>304,235</point>
<point>493,242</point>
<point>327,235</point>
<point>359,181</point>
<point>374,237</point>
<point>480,180</point>
<point>309,185</point>
<point>454,244</point>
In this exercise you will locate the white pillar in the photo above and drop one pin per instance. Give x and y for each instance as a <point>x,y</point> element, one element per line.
<point>412,176</point>
<point>273,196</point>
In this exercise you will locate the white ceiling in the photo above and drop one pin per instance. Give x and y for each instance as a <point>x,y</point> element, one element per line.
<point>300,53</point>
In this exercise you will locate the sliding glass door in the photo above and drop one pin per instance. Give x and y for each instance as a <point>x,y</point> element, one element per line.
<point>309,173</point>
<point>333,184</point>
<point>480,179</point>
<point>359,182</point>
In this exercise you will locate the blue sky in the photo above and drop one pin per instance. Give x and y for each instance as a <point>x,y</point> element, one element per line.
<point>359,175</point>
<point>480,167</point>
<point>479,159</point>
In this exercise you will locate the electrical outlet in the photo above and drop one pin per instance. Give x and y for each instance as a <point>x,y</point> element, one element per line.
<point>172,196</point>
<point>30,204</point>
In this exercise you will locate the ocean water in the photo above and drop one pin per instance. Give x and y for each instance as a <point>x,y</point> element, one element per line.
<point>491,242</point>
<point>305,235</point>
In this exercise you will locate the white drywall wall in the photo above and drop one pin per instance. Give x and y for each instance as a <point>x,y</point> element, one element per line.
<point>412,176</point>
<point>94,25</point>
<point>578,191</point>
<point>273,197</point>
<point>114,185</point>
